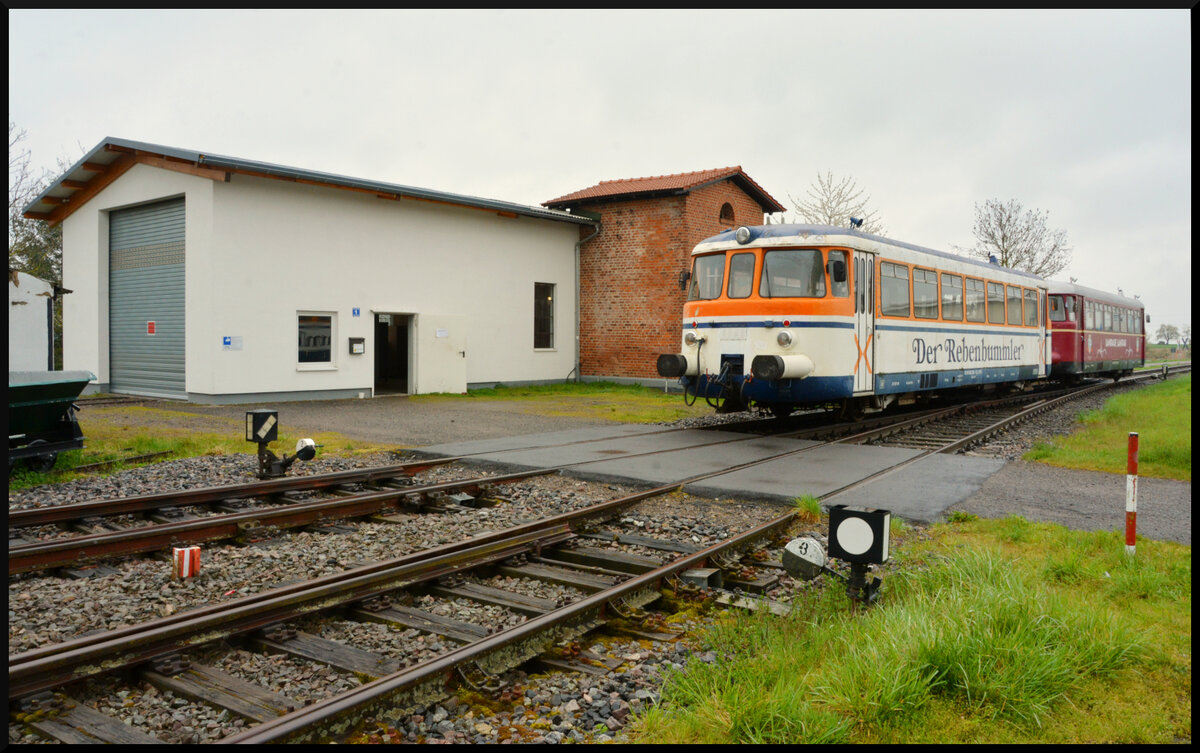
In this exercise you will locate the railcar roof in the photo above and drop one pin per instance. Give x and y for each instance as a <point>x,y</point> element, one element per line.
<point>803,233</point>
<point>1070,288</point>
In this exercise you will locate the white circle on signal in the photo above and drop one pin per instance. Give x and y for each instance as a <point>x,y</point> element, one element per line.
<point>854,535</point>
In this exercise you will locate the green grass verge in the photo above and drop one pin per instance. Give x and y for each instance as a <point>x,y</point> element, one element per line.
<point>604,401</point>
<point>1047,636</point>
<point>112,433</point>
<point>1160,413</point>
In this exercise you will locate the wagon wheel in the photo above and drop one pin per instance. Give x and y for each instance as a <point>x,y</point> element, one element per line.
<point>852,409</point>
<point>41,463</point>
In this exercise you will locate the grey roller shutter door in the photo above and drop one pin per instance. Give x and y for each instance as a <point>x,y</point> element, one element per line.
<point>146,274</point>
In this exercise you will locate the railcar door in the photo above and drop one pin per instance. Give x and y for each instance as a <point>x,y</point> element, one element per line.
<point>864,322</point>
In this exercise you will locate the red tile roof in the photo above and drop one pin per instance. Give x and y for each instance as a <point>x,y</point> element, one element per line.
<point>628,188</point>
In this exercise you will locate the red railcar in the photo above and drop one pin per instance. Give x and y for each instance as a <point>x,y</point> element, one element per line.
<point>1094,333</point>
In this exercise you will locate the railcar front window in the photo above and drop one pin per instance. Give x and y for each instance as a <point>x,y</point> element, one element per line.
<point>893,289</point>
<point>839,289</point>
<point>976,302</point>
<point>952,297</point>
<point>793,273</point>
<point>741,276</point>
<point>1058,311</point>
<point>995,303</point>
<point>1069,304</point>
<point>708,273</point>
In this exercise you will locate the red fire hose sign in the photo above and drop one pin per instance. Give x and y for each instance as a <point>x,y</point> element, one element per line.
<point>149,328</point>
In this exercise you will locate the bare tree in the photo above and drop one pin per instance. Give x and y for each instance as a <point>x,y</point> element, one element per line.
<point>833,202</point>
<point>1018,238</point>
<point>33,246</point>
<point>1166,333</point>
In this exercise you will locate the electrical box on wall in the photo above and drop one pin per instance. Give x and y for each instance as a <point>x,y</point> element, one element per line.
<point>358,346</point>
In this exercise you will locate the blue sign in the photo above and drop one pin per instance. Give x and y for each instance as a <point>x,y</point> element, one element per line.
<point>355,312</point>
<point>227,340</point>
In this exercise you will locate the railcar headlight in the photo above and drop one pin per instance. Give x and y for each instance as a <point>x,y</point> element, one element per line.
<point>690,338</point>
<point>742,234</point>
<point>784,339</point>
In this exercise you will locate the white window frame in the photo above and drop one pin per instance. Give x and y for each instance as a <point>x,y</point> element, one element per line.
<point>332,363</point>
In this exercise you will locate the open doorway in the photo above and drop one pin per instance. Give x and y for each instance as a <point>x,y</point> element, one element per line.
<point>391,353</point>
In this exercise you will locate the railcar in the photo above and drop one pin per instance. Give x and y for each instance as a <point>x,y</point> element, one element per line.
<point>1094,333</point>
<point>784,316</point>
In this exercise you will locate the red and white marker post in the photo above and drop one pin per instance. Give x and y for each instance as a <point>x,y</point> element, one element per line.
<point>1131,470</point>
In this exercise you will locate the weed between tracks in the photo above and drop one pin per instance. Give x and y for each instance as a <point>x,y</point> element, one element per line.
<point>1047,636</point>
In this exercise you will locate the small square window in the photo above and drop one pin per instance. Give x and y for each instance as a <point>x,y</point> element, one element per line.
<point>315,338</point>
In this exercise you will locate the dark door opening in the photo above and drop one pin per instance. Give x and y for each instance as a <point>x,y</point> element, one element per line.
<point>391,354</point>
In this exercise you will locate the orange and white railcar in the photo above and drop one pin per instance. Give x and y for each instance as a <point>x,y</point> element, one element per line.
<point>782,316</point>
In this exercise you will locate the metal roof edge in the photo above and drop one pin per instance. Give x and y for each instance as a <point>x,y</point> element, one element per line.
<point>283,171</point>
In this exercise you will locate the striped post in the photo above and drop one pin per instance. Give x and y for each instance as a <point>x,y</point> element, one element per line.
<point>1131,470</point>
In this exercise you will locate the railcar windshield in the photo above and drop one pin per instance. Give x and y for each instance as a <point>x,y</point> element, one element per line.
<point>708,272</point>
<point>793,273</point>
<point>1058,311</point>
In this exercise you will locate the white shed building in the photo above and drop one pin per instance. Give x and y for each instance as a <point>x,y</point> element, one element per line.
<point>30,323</point>
<point>223,280</point>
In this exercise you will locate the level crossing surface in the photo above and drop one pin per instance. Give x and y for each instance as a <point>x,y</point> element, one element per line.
<point>920,492</point>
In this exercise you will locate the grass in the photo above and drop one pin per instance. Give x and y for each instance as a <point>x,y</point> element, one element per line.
<point>607,401</point>
<point>1160,413</point>
<point>1048,636</point>
<point>112,433</point>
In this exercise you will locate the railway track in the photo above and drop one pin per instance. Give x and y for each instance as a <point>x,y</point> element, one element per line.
<point>258,510</point>
<point>614,572</point>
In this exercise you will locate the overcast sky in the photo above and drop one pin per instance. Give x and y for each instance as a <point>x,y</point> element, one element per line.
<point>1085,115</point>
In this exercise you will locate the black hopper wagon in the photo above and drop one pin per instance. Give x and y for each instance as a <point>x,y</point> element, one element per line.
<point>41,416</point>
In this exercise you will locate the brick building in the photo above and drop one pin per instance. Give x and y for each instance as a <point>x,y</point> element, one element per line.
<point>631,297</point>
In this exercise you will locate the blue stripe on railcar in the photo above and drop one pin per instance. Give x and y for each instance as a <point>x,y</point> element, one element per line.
<point>917,381</point>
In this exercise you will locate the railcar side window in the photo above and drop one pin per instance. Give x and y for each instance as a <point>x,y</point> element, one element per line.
<point>952,297</point>
<point>1031,312</point>
<point>925,293</point>
<point>838,289</point>
<point>893,289</point>
<point>707,274</point>
<point>1088,315</point>
<point>741,276</point>
<point>1058,311</point>
<point>1107,319</point>
<point>793,273</point>
<point>976,303</point>
<point>1014,305</point>
<point>995,303</point>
